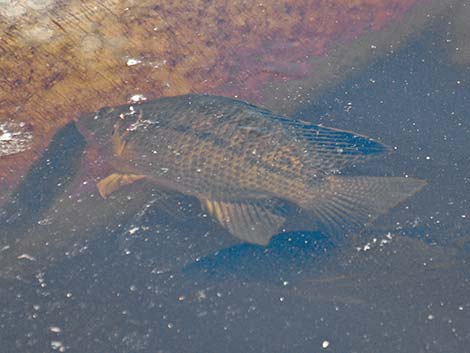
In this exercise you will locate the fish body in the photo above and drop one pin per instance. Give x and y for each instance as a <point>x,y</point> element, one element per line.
<point>242,162</point>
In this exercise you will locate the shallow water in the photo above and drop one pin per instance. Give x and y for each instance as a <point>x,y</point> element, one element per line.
<point>170,280</point>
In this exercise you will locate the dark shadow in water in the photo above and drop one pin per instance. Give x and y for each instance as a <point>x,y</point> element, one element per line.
<point>287,254</point>
<point>47,177</point>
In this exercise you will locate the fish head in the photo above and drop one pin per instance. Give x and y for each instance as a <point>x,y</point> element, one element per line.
<point>98,127</point>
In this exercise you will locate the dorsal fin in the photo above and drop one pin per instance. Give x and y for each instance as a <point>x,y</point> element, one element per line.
<point>254,221</point>
<point>332,149</point>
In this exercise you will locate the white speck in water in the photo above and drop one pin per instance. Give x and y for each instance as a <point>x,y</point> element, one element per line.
<point>45,221</point>
<point>133,61</point>
<point>376,242</point>
<point>133,230</point>
<point>158,64</point>
<point>430,317</point>
<point>55,329</point>
<point>26,257</point>
<point>137,98</point>
<point>201,295</point>
<point>57,345</point>
<point>6,247</point>
<point>325,344</point>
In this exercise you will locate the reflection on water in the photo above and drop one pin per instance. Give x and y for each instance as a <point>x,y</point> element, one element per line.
<point>148,279</point>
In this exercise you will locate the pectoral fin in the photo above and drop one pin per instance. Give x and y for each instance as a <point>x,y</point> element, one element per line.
<point>254,221</point>
<point>116,181</point>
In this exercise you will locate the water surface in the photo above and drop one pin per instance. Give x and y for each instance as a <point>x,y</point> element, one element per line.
<point>170,280</point>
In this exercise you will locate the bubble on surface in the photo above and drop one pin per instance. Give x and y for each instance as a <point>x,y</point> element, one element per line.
<point>11,8</point>
<point>137,98</point>
<point>133,61</point>
<point>38,4</point>
<point>41,32</point>
<point>15,137</point>
<point>91,44</point>
<point>17,8</point>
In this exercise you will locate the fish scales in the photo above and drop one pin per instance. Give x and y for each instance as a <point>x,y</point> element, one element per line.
<point>209,168</point>
<point>240,160</point>
<point>191,149</point>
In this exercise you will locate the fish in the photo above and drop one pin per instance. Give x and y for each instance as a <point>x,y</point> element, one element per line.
<point>243,162</point>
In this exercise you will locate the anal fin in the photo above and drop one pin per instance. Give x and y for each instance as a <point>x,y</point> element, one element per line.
<point>116,181</point>
<point>254,221</point>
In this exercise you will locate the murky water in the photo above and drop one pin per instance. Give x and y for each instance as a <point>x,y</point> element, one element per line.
<point>112,275</point>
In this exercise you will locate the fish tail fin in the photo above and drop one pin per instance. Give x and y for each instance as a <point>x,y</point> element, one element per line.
<point>346,203</point>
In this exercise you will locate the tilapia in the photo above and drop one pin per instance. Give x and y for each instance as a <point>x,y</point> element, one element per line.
<point>243,163</point>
